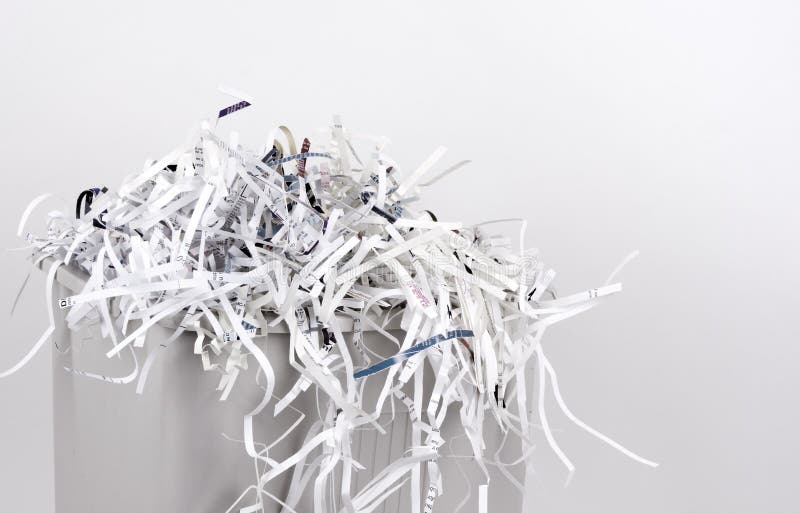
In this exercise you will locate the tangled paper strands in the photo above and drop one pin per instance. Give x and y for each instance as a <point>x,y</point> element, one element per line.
<point>230,242</point>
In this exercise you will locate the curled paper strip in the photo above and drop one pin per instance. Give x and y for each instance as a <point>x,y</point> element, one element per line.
<point>227,243</point>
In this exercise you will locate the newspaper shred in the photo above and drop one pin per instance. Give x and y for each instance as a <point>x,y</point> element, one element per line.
<point>228,242</point>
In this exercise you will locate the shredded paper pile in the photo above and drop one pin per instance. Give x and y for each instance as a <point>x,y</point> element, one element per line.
<point>324,237</point>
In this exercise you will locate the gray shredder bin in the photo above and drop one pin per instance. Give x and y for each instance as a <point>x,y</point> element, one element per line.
<point>164,451</point>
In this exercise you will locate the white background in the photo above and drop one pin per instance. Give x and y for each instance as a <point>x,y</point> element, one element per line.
<point>669,127</point>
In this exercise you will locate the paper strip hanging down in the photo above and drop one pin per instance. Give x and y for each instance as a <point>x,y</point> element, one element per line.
<point>226,242</point>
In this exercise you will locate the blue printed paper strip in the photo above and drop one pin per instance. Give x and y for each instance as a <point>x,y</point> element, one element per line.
<point>411,351</point>
<point>233,108</point>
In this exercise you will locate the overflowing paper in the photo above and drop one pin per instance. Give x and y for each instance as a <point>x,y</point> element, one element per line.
<point>227,243</point>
